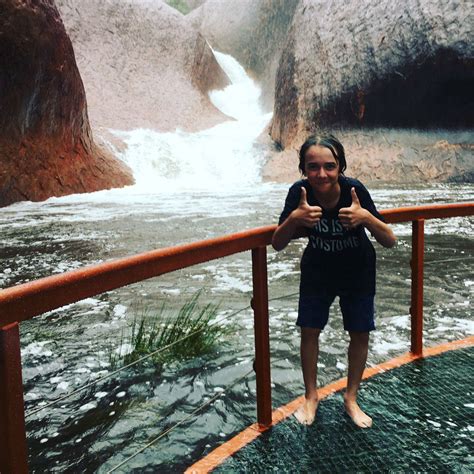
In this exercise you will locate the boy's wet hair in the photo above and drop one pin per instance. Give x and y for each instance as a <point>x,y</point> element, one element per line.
<point>328,141</point>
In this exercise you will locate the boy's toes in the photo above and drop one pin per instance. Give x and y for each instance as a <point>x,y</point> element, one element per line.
<point>306,413</point>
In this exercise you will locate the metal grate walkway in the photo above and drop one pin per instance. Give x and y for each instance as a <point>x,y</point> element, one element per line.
<point>423,416</point>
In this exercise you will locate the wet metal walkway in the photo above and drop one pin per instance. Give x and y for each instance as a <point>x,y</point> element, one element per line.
<point>423,415</point>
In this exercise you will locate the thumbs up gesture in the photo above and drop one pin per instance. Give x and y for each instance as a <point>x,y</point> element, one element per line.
<point>306,215</point>
<point>354,215</point>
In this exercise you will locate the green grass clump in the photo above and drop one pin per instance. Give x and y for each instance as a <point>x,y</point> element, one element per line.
<point>193,327</point>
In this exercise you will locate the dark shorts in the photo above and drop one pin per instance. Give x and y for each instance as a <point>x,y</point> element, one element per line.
<point>357,312</point>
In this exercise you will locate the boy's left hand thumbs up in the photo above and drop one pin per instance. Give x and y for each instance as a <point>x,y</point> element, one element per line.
<point>355,198</point>
<point>354,215</point>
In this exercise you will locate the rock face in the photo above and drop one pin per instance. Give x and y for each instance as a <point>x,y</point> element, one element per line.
<point>389,64</point>
<point>392,156</point>
<point>253,31</point>
<point>46,146</point>
<point>143,65</point>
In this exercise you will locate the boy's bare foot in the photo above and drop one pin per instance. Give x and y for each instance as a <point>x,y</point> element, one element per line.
<point>356,414</point>
<point>307,412</point>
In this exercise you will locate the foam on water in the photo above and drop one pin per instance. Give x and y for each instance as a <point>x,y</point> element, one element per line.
<point>119,311</point>
<point>37,349</point>
<point>383,347</point>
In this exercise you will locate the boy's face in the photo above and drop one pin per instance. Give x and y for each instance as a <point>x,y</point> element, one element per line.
<point>321,168</point>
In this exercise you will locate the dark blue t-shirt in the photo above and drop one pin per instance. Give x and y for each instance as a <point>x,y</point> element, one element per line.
<point>336,260</point>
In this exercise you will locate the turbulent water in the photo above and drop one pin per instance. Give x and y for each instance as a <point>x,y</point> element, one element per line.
<point>190,187</point>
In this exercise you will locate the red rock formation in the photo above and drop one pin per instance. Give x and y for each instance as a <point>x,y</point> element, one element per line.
<point>143,65</point>
<point>46,145</point>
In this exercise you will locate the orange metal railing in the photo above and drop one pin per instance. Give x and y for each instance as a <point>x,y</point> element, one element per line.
<point>23,302</point>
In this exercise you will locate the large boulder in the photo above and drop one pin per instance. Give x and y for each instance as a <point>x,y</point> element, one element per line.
<point>384,63</point>
<point>143,65</point>
<point>46,145</point>
<point>253,31</point>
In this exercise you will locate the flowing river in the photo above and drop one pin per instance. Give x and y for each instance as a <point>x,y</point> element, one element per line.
<point>193,186</point>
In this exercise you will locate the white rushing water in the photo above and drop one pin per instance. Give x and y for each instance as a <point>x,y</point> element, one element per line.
<point>222,157</point>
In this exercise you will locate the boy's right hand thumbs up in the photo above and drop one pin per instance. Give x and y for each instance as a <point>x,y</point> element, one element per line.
<point>306,215</point>
<point>303,198</point>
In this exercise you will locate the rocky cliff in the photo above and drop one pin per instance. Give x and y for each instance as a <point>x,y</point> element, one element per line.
<point>46,145</point>
<point>142,65</point>
<point>385,63</point>
<point>253,31</point>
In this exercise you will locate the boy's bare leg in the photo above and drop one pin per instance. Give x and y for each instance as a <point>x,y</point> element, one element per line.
<point>358,349</point>
<point>309,350</point>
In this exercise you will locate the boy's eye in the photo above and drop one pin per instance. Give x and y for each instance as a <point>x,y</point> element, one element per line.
<point>327,166</point>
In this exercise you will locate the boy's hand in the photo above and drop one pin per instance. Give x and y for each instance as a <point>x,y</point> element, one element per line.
<point>354,215</point>
<point>306,215</point>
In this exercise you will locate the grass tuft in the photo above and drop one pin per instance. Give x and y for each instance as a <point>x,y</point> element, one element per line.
<point>148,333</point>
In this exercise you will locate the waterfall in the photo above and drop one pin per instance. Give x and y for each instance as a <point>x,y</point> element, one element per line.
<point>221,157</point>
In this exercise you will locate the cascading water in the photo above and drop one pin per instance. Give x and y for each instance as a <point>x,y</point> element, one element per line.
<point>222,157</point>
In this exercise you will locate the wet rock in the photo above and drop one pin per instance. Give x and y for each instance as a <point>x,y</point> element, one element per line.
<point>385,63</point>
<point>46,145</point>
<point>253,31</point>
<point>143,65</point>
<point>392,156</point>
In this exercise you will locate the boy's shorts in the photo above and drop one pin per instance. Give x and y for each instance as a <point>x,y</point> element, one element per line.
<point>357,312</point>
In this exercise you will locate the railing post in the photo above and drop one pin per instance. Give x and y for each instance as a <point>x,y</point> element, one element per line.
<point>262,339</point>
<point>13,451</point>
<point>417,264</point>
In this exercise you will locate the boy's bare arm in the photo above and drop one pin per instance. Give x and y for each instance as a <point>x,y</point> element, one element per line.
<point>285,232</point>
<point>294,226</point>
<point>382,232</point>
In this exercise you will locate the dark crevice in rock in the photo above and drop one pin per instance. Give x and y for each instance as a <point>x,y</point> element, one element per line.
<point>436,93</point>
